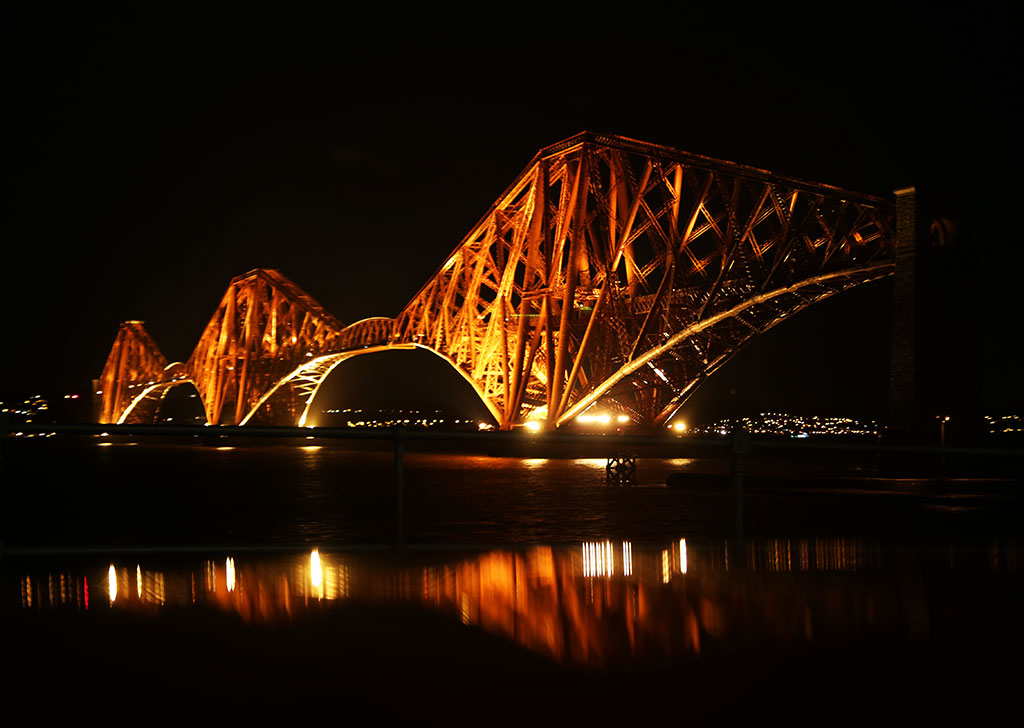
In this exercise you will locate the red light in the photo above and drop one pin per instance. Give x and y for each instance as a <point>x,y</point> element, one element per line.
<point>85,581</point>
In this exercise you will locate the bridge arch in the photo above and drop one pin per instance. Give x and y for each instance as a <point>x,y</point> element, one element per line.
<point>303,383</point>
<point>805,293</point>
<point>145,406</point>
<point>832,357</point>
<point>491,406</point>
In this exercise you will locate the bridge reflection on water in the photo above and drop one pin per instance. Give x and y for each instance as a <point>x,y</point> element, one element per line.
<point>598,604</point>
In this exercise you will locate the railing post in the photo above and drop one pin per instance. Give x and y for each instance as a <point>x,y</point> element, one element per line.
<point>399,489</point>
<point>943,419</point>
<point>740,447</point>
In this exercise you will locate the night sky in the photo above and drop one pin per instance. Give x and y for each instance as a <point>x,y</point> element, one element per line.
<point>151,157</point>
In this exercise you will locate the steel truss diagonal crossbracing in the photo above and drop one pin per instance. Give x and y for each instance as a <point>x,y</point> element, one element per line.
<point>610,271</point>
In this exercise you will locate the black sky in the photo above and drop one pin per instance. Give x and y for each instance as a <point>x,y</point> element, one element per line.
<point>151,157</point>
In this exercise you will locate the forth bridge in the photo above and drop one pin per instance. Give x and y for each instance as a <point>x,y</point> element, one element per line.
<point>611,270</point>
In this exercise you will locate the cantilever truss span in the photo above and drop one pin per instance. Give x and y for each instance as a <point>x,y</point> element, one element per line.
<point>610,270</point>
<point>253,358</point>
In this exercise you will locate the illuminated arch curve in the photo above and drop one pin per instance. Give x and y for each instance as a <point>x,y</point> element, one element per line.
<point>837,283</point>
<point>308,378</point>
<point>151,398</point>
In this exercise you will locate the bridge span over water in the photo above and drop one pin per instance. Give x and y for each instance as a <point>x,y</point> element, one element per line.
<point>610,270</point>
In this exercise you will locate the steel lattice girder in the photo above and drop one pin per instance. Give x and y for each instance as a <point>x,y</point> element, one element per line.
<point>264,331</point>
<point>610,269</point>
<point>608,255</point>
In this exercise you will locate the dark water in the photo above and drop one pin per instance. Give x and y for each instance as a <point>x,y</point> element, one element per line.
<point>193,566</point>
<point>92,492</point>
<point>128,494</point>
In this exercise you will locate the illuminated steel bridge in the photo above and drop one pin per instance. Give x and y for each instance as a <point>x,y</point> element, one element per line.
<point>610,270</point>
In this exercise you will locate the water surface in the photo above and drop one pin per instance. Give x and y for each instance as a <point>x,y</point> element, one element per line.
<point>160,579</point>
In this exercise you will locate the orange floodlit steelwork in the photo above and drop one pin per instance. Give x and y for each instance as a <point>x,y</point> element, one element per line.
<point>611,271</point>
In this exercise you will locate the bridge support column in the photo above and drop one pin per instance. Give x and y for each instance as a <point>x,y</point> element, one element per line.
<point>903,366</point>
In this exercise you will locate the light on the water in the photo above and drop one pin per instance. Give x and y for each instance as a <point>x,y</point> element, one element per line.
<point>569,604</point>
<point>316,575</point>
<point>598,559</point>
<point>210,572</point>
<point>28,592</point>
<point>138,580</point>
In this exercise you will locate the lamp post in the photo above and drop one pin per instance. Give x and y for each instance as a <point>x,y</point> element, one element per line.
<point>943,419</point>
